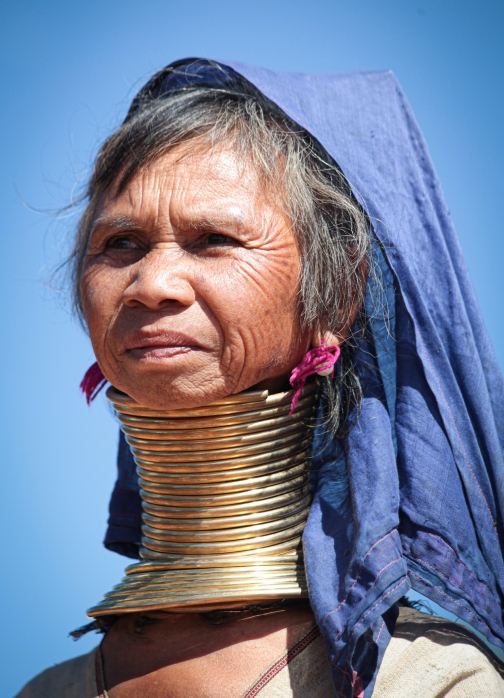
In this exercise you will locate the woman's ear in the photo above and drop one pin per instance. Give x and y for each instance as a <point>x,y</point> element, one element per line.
<point>330,339</point>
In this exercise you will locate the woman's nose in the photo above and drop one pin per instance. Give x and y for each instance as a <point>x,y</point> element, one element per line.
<point>160,280</point>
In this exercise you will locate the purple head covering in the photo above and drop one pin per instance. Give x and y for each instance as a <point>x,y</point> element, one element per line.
<point>413,497</point>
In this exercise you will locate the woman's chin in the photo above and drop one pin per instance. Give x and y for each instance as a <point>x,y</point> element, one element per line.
<point>182,392</point>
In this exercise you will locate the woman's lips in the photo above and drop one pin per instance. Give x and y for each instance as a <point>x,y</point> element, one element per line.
<point>159,345</point>
<point>159,351</point>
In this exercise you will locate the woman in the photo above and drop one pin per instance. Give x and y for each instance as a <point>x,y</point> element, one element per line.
<point>223,254</point>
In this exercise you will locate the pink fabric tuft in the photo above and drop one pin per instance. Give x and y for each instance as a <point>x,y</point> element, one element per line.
<point>93,382</point>
<point>358,686</point>
<point>314,361</point>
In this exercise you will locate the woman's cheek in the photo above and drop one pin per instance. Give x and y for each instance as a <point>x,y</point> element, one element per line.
<point>261,328</point>
<point>98,301</point>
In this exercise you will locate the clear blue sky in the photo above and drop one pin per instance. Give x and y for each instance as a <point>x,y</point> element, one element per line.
<point>68,72</point>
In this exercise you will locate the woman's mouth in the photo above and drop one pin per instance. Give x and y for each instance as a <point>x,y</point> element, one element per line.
<point>159,351</point>
<point>161,345</point>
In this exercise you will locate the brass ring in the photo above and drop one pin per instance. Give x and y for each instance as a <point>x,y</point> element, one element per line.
<point>222,487</point>
<point>215,572</point>
<point>199,602</point>
<point>234,403</point>
<point>150,429</point>
<point>225,493</point>
<point>288,558</point>
<point>226,521</point>
<point>218,420</point>
<point>139,594</point>
<point>236,474</point>
<point>209,444</point>
<point>228,464</point>
<point>225,534</point>
<point>183,577</point>
<point>182,556</point>
<point>180,587</point>
<point>208,450</point>
<point>207,548</point>
<point>216,500</point>
<point>173,508</point>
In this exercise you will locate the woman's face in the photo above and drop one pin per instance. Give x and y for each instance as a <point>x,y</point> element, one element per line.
<point>190,282</point>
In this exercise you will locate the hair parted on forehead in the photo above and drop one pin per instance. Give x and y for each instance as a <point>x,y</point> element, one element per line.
<point>331,229</point>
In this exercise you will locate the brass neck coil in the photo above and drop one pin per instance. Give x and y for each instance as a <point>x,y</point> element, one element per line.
<point>225,493</point>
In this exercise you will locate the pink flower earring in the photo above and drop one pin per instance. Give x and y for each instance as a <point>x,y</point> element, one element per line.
<point>93,382</point>
<point>320,360</point>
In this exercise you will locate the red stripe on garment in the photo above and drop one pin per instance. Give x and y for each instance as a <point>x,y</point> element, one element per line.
<point>100,688</point>
<point>282,663</point>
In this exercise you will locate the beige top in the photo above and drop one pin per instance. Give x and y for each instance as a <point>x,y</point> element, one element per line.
<point>428,657</point>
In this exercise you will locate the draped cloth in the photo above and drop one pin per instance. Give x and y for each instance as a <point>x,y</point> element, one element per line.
<point>413,496</point>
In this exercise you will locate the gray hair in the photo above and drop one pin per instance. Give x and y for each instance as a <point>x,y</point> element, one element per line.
<point>332,230</point>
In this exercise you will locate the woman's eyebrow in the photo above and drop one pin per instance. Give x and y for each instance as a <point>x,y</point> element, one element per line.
<point>237,221</point>
<point>115,223</point>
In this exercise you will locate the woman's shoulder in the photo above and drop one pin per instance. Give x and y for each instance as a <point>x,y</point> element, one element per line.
<point>430,656</point>
<point>75,678</point>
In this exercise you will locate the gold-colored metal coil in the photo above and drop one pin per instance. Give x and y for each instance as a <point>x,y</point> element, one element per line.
<point>152,583</point>
<point>211,499</point>
<point>204,546</point>
<point>243,557</point>
<point>288,559</point>
<point>166,476</point>
<point>145,451</point>
<point>248,400</point>
<point>151,530</point>
<point>180,589</point>
<point>200,601</point>
<point>282,435</point>
<point>225,493</point>
<point>256,571</point>
<point>199,513</point>
<point>155,429</point>
<point>226,521</point>
<point>196,487</point>
<point>170,464</point>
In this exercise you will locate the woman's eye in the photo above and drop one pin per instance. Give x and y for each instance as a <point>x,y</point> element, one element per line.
<point>122,242</point>
<point>219,239</point>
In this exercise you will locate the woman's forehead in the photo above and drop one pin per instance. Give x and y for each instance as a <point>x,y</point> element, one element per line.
<point>214,187</point>
<point>204,167</point>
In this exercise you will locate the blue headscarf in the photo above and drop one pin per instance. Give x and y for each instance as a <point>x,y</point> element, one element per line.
<point>413,496</point>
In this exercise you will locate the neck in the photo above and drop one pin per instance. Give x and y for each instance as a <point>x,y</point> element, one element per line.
<point>225,495</point>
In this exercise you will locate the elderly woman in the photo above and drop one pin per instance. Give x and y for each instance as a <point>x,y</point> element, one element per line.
<point>273,288</point>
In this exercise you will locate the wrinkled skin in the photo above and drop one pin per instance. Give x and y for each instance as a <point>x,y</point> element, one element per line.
<point>190,282</point>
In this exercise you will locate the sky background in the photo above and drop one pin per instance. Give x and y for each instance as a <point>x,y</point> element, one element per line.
<point>68,72</point>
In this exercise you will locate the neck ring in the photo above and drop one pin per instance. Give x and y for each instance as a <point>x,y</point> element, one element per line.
<point>225,494</point>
